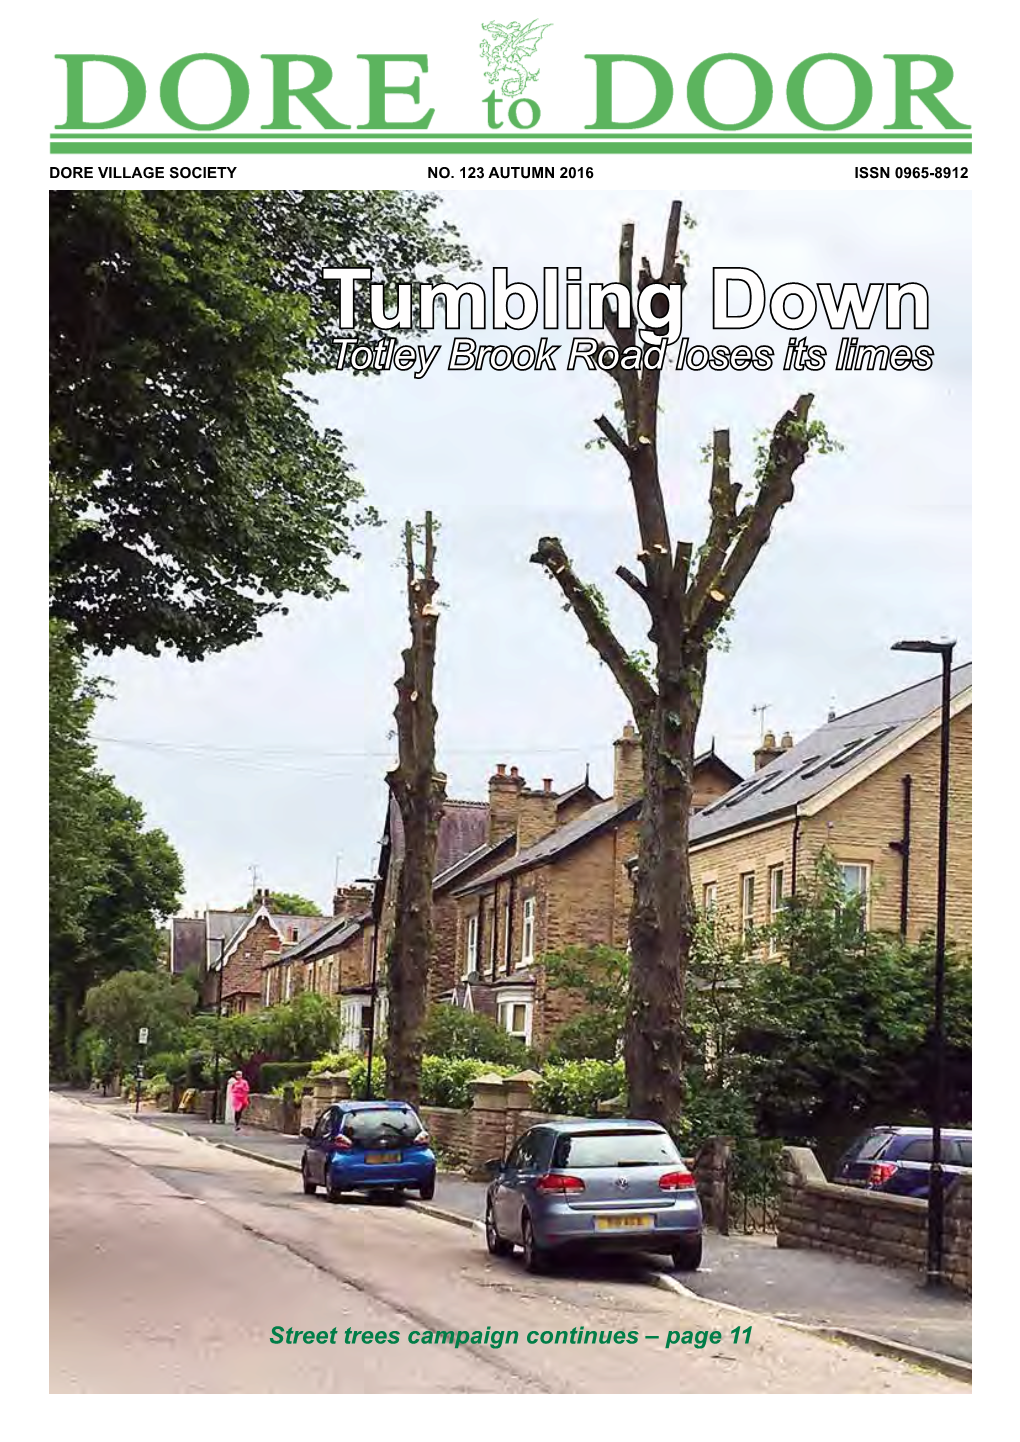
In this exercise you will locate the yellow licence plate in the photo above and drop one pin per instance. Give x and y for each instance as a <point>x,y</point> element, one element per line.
<point>617,1224</point>
<point>380,1158</point>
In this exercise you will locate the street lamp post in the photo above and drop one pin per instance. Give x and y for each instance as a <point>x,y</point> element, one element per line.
<point>935,1276</point>
<point>216,1035</point>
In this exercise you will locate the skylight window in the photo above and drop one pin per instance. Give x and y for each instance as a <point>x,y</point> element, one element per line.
<point>789,775</point>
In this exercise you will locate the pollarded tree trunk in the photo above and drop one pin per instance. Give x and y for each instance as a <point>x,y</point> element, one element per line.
<point>419,791</point>
<point>687,599</point>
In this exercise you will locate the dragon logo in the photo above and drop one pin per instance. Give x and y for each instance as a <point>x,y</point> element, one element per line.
<point>513,43</point>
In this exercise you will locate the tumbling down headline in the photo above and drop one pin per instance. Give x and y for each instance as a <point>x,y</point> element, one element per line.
<point>646,328</point>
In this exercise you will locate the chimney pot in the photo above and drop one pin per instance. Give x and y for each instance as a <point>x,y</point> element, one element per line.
<point>832,714</point>
<point>547,782</point>
<point>787,741</point>
<point>513,771</point>
<point>500,768</point>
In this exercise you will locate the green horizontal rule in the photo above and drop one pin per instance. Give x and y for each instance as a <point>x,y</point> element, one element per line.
<point>701,146</point>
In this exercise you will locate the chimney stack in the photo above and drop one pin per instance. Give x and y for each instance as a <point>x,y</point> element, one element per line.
<point>628,766</point>
<point>537,815</point>
<point>349,901</point>
<point>768,750</point>
<point>504,802</point>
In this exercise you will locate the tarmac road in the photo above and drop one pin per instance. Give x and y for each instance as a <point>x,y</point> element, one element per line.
<point>172,1261</point>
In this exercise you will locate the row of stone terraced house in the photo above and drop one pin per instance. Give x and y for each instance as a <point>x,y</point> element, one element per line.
<point>532,870</point>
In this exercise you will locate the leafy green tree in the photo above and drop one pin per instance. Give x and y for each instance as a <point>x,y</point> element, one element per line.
<point>835,1034</point>
<point>190,489</point>
<point>452,1032</point>
<point>287,903</point>
<point>110,878</point>
<point>301,1029</point>
<point>598,976</point>
<point>117,1007</point>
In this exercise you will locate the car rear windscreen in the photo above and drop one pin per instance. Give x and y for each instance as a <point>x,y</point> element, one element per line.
<point>382,1127</point>
<point>615,1149</point>
<point>871,1147</point>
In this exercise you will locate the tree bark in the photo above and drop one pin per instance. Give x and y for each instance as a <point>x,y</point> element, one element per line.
<point>419,791</point>
<point>685,611</point>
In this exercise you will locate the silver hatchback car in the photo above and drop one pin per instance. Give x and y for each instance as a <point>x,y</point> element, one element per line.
<point>614,1185</point>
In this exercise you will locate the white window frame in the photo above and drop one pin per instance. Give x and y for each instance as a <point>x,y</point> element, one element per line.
<point>471,945</point>
<point>709,896</point>
<point>507,1002</point>
<point>775,903</point>
<point>288,984</point>
<point>507,912</point>
<point>746,903</point>
<point>528,931</point>
<point>865,868</point>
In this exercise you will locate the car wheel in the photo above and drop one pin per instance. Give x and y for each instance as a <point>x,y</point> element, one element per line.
<point>309,1186</point>
<point>498,1246</point>
<point>536,1258</point>
<point>427,1190</point>
<point>687,1258</point>
<point>333,1192</point>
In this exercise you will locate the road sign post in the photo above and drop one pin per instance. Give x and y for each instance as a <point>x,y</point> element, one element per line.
<point>143,1041</point>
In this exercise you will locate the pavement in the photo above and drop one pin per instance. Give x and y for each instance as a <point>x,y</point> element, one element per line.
<point>812,1288</point>
<point>182,1267</point>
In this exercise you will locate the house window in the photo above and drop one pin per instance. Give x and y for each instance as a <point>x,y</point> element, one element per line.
<point>775,902</point>
<point>515,1019</point>
<point>471,950</point>
<point>856,876</point>
<point>708,895</point>
<point>747,905</point>
<point>294,933</point>
<point>528,932</point>
<point>265,989</point>
<point>288,984</point>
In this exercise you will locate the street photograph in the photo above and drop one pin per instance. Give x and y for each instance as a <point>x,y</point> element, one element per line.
<point>510,835</point>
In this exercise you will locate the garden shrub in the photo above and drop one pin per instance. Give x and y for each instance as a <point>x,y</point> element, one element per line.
<point>452,1032</point>
<point>334,1061</point>
<point>446,1081</point>
<point>574,1087</point>
<point>273,1074</point>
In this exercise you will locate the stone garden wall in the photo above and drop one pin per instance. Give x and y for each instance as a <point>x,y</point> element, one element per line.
<point>869,1226</point>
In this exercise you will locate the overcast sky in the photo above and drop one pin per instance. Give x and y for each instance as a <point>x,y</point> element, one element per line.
<point>272,755</point>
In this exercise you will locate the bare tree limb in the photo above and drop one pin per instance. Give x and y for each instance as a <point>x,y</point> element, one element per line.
<point>633,582</point>
<point>787,451</point>
<point>638,690</point>
<point>613,436</point>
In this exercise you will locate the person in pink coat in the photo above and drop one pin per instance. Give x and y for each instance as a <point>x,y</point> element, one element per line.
<point>239,1095</point>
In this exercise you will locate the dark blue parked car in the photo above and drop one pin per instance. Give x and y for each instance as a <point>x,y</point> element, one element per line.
<point>362,1146</point>
<point>897,1159</point>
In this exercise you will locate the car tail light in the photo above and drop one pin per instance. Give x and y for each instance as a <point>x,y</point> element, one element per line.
<point>556,1183</point>
<point>880,1172</point>
<point>421,1139</point>
<point>342,1143</point>
<point>675,1181</point>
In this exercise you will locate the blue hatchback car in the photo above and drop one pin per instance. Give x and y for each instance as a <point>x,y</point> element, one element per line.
<point>368,1146</point>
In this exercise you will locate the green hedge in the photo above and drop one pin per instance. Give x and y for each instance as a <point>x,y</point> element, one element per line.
<point>446,1081</point>
<point>277,1073</point>
<point>574,1087</point>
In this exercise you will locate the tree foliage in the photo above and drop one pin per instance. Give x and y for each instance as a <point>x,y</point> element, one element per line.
<point>454,1033</point>
<point>110,878</point>
<point>190,490</point>
<point>117,1007</point>
<point>285,903</point>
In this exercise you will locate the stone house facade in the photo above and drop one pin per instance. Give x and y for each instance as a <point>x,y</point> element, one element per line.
<point>864,787</point>
<point>565,884</point>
